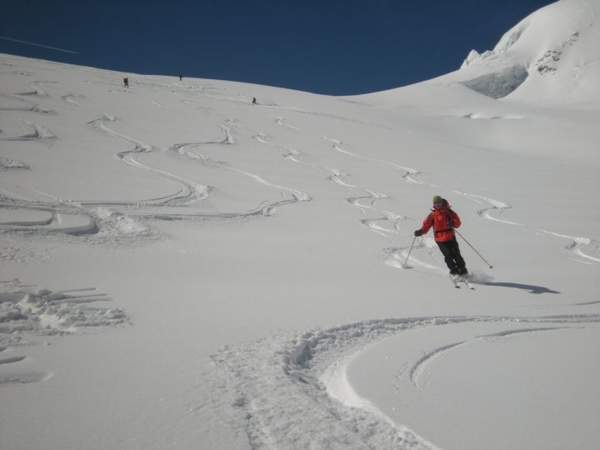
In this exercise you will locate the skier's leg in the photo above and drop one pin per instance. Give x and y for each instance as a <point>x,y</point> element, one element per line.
<point>457,257</point>
<point>448,256</point>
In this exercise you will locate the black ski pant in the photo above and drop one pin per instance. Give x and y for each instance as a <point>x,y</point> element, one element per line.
<point>454,260</point>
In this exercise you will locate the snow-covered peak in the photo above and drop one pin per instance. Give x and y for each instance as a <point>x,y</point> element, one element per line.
<point>552,54</point>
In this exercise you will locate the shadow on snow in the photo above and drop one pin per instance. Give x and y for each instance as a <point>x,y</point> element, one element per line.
<point>532,288</point>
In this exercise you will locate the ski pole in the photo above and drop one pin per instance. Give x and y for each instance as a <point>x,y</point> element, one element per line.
<point>474,249</point>
<point>409,250</point>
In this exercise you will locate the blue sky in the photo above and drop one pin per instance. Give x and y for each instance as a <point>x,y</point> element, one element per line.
<point>331,47</point>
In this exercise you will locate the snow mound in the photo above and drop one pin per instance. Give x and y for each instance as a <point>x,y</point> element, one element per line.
<point>552,53</point>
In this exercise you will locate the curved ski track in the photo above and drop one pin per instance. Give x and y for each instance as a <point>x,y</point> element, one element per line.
<point>98,220</point>
<point>420,365</point>
<point>52,225</point>
<point>409,174</point>
<point>575,245</point>
<point>363,202</point>
<point>273,393</point>
<point>188,193</point>
<point>494,205</point>
<point>267,208</point>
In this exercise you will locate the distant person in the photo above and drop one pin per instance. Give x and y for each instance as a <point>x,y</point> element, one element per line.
<point>126,82</point>
<point>180,77</point>
<point>254,101</point>
<point>444,220</point>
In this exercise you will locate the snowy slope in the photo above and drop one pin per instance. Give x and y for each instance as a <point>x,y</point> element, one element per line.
<point>182,269</point>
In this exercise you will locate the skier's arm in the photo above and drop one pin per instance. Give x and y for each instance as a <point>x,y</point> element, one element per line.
<point>427,223</point>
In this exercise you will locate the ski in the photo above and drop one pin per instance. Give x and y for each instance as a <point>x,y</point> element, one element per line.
<point>454,280</point>
<point>465,279</point>
<point>457,279</point>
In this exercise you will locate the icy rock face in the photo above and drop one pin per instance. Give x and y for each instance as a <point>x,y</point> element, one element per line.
<point>550,60</point>
<point>499,84</point>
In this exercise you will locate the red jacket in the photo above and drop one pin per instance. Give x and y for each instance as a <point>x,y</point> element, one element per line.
<point>443,220</point>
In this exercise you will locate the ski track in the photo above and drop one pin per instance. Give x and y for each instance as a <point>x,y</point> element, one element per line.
<point>72,98</point>
<point>28,312</point>
<point>362,202</point>
<point>373,225</point>
<point>395,257</point>
<point>9,164</point>
<point>12,359</point>
<point>409,174</point>
<point>276,391</point>
<point>283,123</point>
<point>24,378</point>
<point>336,176</point>
<point>188,193</point>
<point>28,106</point>
<point>367,202</point>
<point>418,369</point>
<point>53,312</point>
<point>294,155</point>
<point>595,302</point>
<point>38,133</point>
<point>322,114</point>
<point>287,152</point>
<point>97,225</point>
<point>36,92</point>
<point>118,225</point>
<point>267,208</point>
<point>494,205</point>
<point>370,198</point>
<point>576,245</point>
<point>486,116</point>
<point>52,225</point>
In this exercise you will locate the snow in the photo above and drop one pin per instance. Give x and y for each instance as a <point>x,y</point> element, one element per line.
<point>183,269</point>
<point>551,55</point>
<point>446,375</point>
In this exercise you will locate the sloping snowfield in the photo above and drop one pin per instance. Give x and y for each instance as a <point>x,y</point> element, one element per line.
<point>183,269</point>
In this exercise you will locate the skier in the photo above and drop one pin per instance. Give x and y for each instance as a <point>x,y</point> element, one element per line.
<point>444,220</point>
<point>126,82</point>
<point>180,77</point>
<point>254,100</point>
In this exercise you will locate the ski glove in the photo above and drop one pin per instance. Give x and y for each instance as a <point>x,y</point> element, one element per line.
<point>418,232</point>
